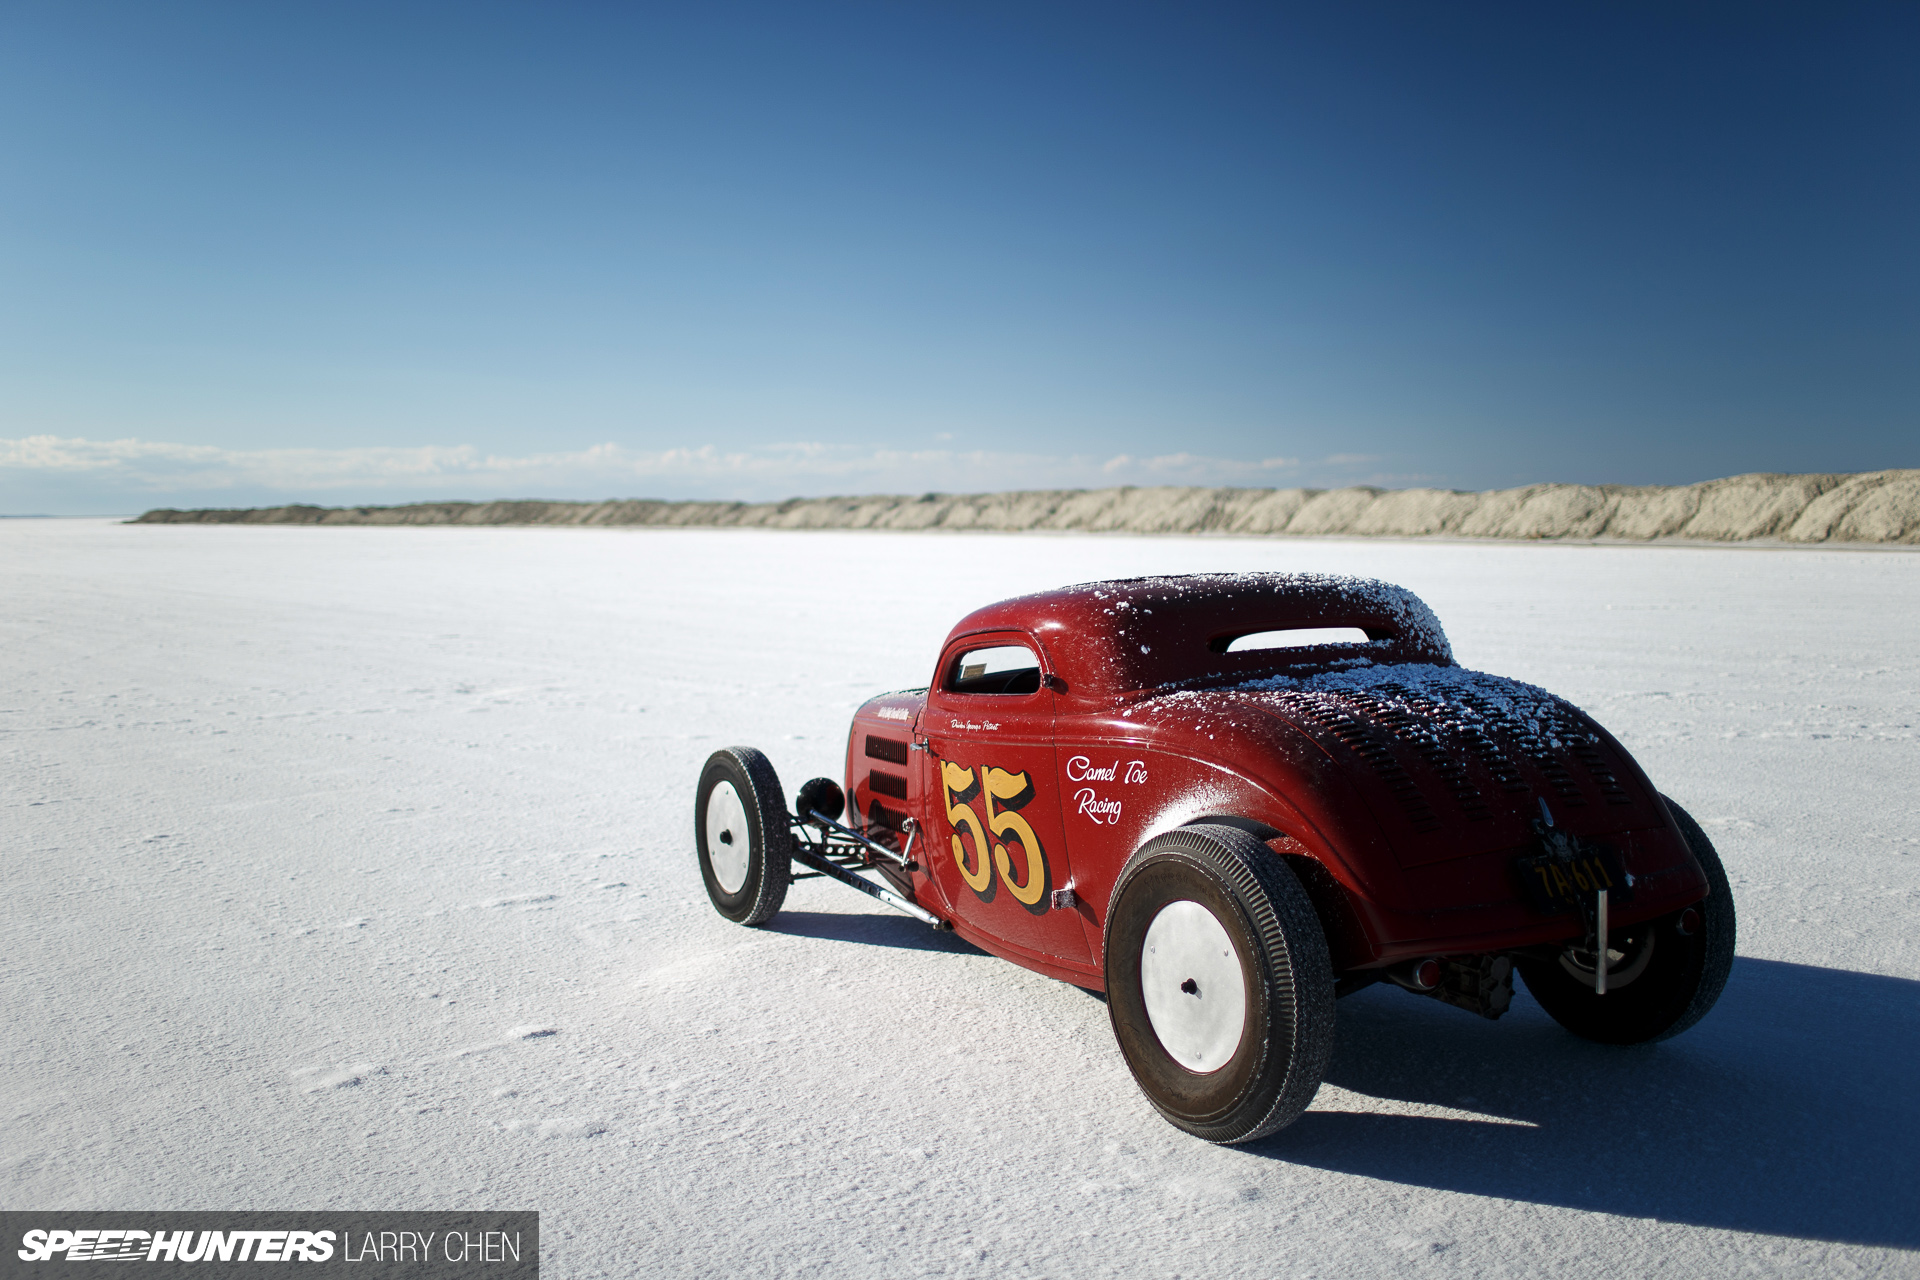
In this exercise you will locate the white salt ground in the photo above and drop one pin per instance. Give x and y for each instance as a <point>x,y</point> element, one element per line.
<point>350,867</point>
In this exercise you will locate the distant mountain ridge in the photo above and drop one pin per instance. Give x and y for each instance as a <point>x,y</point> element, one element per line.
<point>1871,507</point>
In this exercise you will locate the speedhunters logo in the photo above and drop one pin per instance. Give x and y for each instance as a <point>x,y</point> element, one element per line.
<point>171,1246</point>
<point>370,1246</point>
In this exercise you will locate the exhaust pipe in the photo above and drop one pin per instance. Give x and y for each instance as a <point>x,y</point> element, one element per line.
<point>1422,977</point>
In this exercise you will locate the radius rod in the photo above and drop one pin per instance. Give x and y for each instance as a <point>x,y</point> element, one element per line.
<point>808,855</point>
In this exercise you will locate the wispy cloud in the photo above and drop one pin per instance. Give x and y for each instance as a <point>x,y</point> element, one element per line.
<point>1182,465</point>
<point>157,468</point>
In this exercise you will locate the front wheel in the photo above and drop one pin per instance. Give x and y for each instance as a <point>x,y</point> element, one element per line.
<point>1662,975</point>
<point>1219,984</point>
<point>741,831</point>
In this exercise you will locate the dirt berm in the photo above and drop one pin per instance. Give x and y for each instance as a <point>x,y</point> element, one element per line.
<point>1873,507</point>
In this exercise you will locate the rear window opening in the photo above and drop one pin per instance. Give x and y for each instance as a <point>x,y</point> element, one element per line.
<point>1003,668</point>
<point>1293,638</point>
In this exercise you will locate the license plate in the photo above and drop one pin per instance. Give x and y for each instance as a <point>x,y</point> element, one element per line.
<point>1566,881</point>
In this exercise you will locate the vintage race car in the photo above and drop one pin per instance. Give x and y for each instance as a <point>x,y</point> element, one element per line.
<point>1227,800</point>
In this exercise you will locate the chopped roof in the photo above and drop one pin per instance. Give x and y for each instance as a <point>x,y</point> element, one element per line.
<point>1131,634</point>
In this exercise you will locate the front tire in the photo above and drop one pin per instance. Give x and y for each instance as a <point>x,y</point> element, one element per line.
<point>1671,978</point>
<point>741,831</point>
<point>1219,984</point>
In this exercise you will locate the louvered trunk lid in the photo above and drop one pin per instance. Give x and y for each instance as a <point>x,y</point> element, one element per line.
<point>1457,762</point>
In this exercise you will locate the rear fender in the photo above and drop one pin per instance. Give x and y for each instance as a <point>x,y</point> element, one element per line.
<point>1349,943</point>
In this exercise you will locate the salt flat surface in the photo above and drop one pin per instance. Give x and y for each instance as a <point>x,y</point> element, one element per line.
<point>351,867</point>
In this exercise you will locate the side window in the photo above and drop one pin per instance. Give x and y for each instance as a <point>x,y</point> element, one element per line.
<point>1001,668</point>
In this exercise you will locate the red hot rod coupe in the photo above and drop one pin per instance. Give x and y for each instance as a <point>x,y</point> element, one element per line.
<point>1226,801</point>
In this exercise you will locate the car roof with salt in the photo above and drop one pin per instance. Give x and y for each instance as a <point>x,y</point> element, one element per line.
<point>1140,633</point>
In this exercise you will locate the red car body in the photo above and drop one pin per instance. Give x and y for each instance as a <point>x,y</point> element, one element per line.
<point>1404,791</point>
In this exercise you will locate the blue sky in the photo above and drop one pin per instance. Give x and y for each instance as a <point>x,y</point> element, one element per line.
<point>339,253</point>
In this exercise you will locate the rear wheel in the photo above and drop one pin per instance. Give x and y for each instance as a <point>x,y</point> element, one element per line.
<point>741,831</point>
<point>1218,983</point>
<point>1662,975</point>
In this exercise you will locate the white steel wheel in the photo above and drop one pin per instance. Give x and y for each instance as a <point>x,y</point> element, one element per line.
<point>1193,987</point>
<point>743,835</point>
<point>727,837</point>
<point>1218,983</point>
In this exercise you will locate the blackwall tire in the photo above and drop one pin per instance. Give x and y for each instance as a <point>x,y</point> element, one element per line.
<point>1183,898</point>
<point>741,833</point>
<point>1680,981</point>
